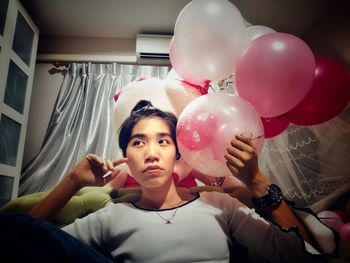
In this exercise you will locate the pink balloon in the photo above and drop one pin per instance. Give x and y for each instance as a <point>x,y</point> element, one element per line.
<point>331,219</point>
<point>195,131</point>
<point>274,126</point>
<point>328,96</point>
<point>230,115</point>
<point>345,232</point>
<point>180,68</point>
<point>275,73</point>
<point>223,137</point>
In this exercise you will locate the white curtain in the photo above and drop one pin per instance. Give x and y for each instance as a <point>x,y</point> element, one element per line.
<point>82,121</point>
<point>311,164</point>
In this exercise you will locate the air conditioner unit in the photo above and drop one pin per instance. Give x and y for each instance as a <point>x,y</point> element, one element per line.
<point>152,49</point>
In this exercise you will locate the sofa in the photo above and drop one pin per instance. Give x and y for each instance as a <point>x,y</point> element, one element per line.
<point>91,199</point>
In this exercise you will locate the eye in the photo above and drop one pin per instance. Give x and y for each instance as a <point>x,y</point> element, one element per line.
<point>137,143</point>
<point>164,141</point>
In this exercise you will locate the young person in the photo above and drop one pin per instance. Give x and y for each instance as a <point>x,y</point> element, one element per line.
<point>170,224</point>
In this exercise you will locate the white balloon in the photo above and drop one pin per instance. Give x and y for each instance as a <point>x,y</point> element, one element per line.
<point>180,67</point>
<point>210,37</point>
<point>253,32</point>
<point>173,76</point>
<point>165,95</point>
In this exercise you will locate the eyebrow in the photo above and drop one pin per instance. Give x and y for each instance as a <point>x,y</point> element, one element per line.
<point>142,135</point>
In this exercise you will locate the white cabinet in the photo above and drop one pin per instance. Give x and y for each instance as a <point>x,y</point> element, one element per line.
<point>18,48</point>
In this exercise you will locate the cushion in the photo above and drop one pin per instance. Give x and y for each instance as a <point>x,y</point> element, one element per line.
<point>85,201</point>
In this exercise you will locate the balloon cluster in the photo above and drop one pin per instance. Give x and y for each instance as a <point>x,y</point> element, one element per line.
<point>276,76</point>
<point>276,72</point>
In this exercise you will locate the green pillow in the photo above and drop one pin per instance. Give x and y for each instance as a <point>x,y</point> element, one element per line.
<point>87,200</point>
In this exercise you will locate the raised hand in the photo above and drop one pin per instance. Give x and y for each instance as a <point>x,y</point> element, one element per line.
<point>91,171</point>
<point>242,159</point>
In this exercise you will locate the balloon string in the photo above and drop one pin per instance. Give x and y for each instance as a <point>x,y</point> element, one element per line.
<point>203,89</point>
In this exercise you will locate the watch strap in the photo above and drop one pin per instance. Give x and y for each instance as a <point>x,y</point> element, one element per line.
<point>273,198</point>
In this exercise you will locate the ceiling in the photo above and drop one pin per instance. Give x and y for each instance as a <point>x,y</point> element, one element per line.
<point>126,18</point>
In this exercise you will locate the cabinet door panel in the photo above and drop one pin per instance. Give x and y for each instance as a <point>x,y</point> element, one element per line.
<point>10,133</point>
<point>16,87</point>
<point>18,45</point>
<point>23,40</point>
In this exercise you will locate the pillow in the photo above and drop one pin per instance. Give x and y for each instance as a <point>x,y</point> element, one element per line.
<point>87,200</point>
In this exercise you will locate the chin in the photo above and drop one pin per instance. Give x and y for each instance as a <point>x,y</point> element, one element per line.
<point>155,182</point>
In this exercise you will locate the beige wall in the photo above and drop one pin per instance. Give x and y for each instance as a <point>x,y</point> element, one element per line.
<point>330,36</point>
<point>76,49</point>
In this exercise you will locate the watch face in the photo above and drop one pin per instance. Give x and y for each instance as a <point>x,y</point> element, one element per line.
<point>275,193</point>
<point>273,198</point>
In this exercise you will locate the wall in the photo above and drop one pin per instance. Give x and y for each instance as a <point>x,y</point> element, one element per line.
<point>330,36</point>
<point>80,49</point>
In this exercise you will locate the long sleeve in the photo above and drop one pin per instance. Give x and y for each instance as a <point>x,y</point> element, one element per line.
<point>270,240</point>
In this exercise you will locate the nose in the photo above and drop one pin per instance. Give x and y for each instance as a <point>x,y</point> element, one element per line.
<point>151,154</point>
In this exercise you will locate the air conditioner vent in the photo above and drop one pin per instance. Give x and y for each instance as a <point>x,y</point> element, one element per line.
<point>153,49</point>
<point>154,55</point>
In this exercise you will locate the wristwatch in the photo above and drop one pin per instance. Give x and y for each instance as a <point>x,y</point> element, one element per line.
<point>273,198</point>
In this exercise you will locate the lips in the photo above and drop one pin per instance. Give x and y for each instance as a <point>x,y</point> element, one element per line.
<point>152,168</point>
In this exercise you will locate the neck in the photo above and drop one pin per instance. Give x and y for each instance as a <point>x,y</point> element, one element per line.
<point>162,197</point>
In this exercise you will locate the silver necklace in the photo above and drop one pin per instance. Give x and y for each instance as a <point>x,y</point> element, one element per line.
<point>167,220</point>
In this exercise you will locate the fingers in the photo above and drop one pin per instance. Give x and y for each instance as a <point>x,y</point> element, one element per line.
<point>110,165</point>
<point>98,161</point>
<point>94,159</point>
<point>242,149</point>
<point>232,169</point>
<point>241,156</point>
<point>113,171</point>
<point>243,143</point>
<point>120,161</point>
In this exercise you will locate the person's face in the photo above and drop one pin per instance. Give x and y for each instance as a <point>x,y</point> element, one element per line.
<point>151,152</point>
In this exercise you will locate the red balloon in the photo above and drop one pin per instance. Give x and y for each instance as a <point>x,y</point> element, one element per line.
<point>274,126</point>
<point>345,232</point>
<point>328,96</point>
<point>341,214</point>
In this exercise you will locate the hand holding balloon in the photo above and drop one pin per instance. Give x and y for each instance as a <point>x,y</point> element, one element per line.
<point>242,159</point>
<point>208,124</point>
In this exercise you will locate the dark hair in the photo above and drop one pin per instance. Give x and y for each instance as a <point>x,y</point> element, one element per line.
<point>144,109</point>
